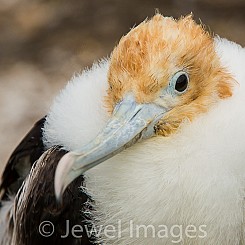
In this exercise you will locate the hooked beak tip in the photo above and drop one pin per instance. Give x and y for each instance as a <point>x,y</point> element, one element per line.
<point>62,179</point>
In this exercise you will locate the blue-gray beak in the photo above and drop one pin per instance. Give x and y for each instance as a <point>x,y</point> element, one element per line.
<point>130,123</point>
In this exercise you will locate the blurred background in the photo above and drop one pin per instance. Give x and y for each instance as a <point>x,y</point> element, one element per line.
<point>43,42</point>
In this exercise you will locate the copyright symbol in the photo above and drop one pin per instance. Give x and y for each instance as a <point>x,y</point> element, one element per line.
<point>46,228</point>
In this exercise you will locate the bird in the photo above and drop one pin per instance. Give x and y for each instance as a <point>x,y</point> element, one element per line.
<point>145,147</point>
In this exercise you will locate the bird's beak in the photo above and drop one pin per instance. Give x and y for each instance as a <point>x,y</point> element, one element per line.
<point>130,123</point>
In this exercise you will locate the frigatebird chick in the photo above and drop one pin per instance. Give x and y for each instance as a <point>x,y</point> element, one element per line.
<point>155,138</point>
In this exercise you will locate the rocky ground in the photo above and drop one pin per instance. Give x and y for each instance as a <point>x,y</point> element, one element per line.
<point>43,42</point>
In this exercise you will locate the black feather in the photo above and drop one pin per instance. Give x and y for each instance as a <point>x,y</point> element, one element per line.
<point>21,160</point>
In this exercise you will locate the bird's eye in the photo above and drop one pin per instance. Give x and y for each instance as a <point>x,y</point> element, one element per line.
<point>180,81</point>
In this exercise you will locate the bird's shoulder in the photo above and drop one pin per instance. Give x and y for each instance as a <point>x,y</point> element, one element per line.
<point>21,160</point>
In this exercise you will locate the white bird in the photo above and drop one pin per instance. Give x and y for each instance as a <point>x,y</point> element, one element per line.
<point>155,137</point>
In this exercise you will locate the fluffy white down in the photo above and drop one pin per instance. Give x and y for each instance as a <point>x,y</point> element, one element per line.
<point>78,114</point>
<point>195,177</point>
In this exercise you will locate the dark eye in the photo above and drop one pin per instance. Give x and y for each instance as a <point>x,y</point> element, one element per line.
<point>181,83</point>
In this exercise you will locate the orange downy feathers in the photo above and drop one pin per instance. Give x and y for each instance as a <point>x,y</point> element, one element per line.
<point>150,54</point>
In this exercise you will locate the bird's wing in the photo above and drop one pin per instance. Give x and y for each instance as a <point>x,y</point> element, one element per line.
<point>21,161</point>
<point>35,204</point>
<point>29,176</point>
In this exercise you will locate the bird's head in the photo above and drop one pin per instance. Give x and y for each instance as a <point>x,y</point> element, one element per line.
<point>163,72</point>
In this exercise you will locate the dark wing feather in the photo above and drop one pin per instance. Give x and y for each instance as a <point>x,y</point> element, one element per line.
<point>29,175</point>
<point>36,203</point>
<point>21,160</point>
